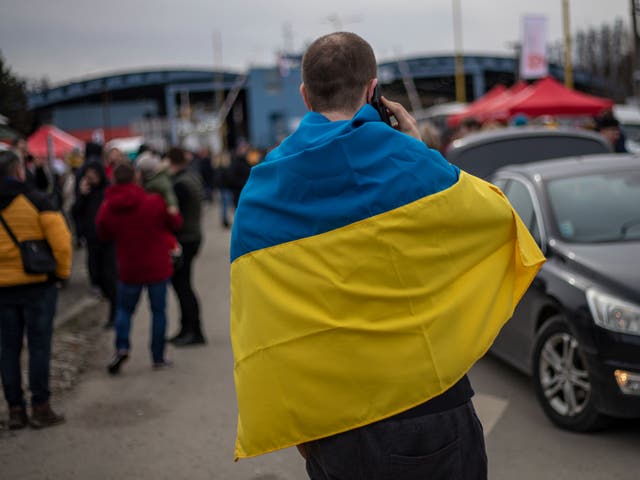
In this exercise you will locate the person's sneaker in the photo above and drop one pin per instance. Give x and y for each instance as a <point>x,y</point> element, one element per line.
<point>190,339</point>
<point>176,337</point>
<point>18,418</point>
<point>42,416</point>
<point>162,365</point>
<point>116,362</point>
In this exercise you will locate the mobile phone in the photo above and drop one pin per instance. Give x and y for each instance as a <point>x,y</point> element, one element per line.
<point>379,106</point>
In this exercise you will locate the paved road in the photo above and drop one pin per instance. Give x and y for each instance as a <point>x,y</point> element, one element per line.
<point>76,297</point>
<point>180,423</point>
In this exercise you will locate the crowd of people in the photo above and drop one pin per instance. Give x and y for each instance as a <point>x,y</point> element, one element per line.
<point>605,124</point>
<point>139,221</point>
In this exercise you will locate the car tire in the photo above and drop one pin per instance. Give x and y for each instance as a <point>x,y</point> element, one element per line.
<point>561,379</point>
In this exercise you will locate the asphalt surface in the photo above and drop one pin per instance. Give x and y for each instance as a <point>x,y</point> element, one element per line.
<point>180,423</point>
<point>76,298</point>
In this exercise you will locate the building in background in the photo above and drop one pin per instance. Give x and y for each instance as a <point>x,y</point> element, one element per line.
<point>263,105</point>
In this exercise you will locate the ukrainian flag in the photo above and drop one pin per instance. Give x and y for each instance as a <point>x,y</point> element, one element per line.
<point>368,275</point>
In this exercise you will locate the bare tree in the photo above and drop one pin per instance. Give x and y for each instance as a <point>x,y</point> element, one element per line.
<point>606,52</point>
<point>13,99</point>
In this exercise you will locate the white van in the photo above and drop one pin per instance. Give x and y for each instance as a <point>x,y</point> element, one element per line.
<point>629,118</point>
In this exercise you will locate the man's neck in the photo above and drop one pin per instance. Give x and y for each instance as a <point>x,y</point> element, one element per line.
<point>335,116</point>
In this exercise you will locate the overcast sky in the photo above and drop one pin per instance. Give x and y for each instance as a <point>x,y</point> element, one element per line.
<point>66,39</point>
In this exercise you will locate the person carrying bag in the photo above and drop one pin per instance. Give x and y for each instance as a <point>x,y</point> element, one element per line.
<point>37,256</point>
<point>35,253</point>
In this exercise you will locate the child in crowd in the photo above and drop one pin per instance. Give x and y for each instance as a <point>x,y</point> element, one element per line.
<point>154,176</point>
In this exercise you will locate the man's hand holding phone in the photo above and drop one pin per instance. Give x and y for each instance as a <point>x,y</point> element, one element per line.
<point>406,123</point>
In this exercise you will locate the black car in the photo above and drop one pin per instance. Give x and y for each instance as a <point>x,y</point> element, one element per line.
<point>577,329</point>
<point>483,153</point>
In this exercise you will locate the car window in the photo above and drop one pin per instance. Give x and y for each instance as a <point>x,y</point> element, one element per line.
<point>483,159</point>
<point>602,207</point>
<point>500,183</point>
<point>521,201</point>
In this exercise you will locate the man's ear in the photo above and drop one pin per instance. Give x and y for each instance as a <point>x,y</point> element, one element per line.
<point>303,92</point>
<point>370,89</point>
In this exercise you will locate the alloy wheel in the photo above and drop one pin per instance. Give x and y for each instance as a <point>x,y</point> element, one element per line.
<point>563,375</point>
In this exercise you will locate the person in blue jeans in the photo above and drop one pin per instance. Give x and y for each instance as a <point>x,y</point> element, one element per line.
<point>128,296</point>
<point>142,228</point>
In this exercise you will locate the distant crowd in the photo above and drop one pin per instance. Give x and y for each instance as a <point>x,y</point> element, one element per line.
<point>139,219</point>
<point>441,138</point>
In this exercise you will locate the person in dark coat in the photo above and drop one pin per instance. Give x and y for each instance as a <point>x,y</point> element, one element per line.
<point>188,188</point>
<point>238,171</point>
<point>101,256</point>
<point>41,177</point>
<point>202,165</point>
<point>609,127</point>
<point>92,154</point>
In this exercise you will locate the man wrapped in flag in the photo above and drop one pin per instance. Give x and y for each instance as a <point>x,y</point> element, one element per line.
<point>368,275</point>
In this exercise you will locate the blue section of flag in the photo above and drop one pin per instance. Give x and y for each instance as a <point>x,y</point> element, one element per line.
<point>327,175</point>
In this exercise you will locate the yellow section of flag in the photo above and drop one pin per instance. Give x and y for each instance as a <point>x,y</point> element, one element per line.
<point>345,328</point>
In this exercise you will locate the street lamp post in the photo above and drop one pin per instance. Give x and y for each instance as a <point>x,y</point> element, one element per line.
<point>461,93</point>
<point>635,46</point>
<point>568,65</point>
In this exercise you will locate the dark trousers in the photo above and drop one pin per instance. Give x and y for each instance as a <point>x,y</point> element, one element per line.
<point>181,281</point>
<point>443,446</point>
<point>103,271</point>
<point>33,313</point>
<point>128,297</point>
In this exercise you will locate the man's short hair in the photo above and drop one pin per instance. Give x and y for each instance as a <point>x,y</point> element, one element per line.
<point>176,156</point>
<point>124,173</point>
<point>335,70</point>
<point>9,163</point>
<point>607,120</point>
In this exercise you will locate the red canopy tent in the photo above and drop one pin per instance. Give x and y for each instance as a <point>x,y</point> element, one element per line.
<point>496,104</point>
<point>476,106</point>
<point>548,97</point>
<point>52,137</point>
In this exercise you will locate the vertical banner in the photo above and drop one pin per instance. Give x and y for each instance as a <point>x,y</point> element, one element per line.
<point>533,59</point>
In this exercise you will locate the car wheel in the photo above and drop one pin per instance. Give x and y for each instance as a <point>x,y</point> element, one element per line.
<point>561,379</point>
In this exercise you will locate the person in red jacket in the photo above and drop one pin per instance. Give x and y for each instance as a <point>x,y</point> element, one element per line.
<point>139,224</point>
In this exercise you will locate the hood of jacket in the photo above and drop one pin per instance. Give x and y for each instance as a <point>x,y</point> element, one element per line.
<point>124,197</point>
<point>9,189</point>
